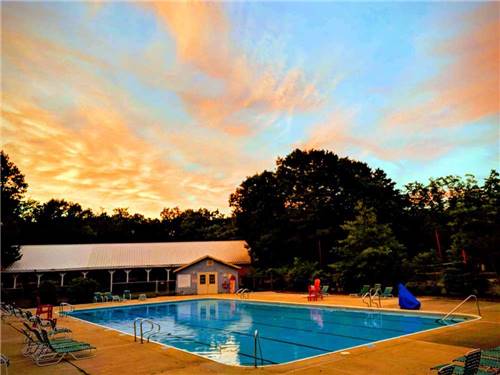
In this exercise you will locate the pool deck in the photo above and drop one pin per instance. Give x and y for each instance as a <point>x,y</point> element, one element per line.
<point>118,354</point>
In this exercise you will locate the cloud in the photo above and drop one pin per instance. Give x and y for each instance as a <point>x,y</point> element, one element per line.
<point>242,87</point>
<point>437,116</point>
<point>467,87</point>
<point>78,134</point>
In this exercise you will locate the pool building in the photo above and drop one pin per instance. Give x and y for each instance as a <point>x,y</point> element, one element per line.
<point>200,267</point>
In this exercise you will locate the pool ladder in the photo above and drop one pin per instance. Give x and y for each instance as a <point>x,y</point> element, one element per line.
<point>154,329</point>
<point>243,293</point>
<point>256,349</point>
<point>69,307</point>
<point>372,294</point>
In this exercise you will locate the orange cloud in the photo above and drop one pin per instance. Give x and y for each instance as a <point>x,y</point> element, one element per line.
<point>467,89</point>
<point>74,133</point>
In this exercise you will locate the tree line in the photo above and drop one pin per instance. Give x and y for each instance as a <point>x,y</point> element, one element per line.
<point>316,212</point>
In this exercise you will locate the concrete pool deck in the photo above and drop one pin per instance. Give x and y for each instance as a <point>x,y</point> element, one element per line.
<point>118,354</point>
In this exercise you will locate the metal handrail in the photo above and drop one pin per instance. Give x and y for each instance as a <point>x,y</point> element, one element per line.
<point>371,300</point>
<point>460,305</point>
<point>376,294</point>
<point>152,329</point>
<point>61,308</point>
<point>256,343</point>
<point>367,294</point>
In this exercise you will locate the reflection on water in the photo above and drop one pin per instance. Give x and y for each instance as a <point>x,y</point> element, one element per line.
<point>317,316</point>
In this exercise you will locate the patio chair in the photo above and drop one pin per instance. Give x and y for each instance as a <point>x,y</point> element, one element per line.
<point>4,360</point>
<point>471,365</point>
<point>98,297</point>
<point>489,358</point>
<point>324,290</point>
<point>55,353</point>
<point>108,296</point>
<point>446,370</point>
<point>127,294</point>
<point>313,293</point>
<point>387,293</point>
<point>365,289</point>
<point>377,289</point>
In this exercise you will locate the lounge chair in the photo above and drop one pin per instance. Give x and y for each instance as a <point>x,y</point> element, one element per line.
<point>387,293</point>
<point>4,360</point>
<point>324,290</point>
<point>98,297</point>
<point>446,370</point>
<point>471,365</point>
<point>54,353</point>
<point>377,289</point>
<point>127,294</point>
<point>365,289</point>
<point>489,358</point>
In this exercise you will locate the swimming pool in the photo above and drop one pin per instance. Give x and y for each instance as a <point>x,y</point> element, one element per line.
<point>223,330</point>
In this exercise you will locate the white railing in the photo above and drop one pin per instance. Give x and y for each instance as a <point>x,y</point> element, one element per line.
<point>460,305</point>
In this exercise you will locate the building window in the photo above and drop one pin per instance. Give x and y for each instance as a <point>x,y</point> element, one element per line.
<point>211,279</point>
<point>203,279</point>
<point>210,263</point>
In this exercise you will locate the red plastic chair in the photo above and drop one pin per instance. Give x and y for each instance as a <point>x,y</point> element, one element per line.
<point>313,293</point>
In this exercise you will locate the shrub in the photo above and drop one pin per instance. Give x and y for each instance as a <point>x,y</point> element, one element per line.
<point>82,290</point>
<point>457,281</point>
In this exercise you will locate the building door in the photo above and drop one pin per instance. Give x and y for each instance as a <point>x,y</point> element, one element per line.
<point>207,283</point>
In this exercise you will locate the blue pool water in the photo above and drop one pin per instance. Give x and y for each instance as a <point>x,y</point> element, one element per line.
<point>223,330</point>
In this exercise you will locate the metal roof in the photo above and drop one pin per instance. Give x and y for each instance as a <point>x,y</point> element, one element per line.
<point>125,255</point>
<point>196,261</point>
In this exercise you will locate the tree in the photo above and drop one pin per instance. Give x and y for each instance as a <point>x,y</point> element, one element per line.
<point>474,222</point>
<point>13,189</point>
<point>297,210</point>
<point>369,253</point>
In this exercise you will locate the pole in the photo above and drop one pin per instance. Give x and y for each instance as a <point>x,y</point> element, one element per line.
<point>438,243</point>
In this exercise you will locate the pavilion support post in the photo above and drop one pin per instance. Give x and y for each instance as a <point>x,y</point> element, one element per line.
<point>39,277</point>
<point>127,273</point>
<point>111,272</point>
<point>14,285</point>
<point>168,279</point>
<point>84,274</point>
<point>148,270</point>
<point>62,274</point>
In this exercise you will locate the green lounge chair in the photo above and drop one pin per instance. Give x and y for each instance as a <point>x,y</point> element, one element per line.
<point>127,294</point>
<point>98,297</point>
<point>471,365</point>
<point>108,296</point>
<point>324,290</point>
<point>365,289</point>
<point>446,370</point>
<point>489,358</point>
<point>387,293</point>
<point>53,353</point>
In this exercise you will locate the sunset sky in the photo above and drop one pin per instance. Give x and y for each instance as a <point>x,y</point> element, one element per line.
<point>145,105</point>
